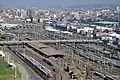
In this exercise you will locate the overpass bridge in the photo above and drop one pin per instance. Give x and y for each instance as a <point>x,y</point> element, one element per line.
<point>51,41</point>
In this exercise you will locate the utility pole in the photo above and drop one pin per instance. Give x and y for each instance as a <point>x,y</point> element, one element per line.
<point>86,72</point>
<point>8,59</point>
<point>15,72</point>
<point>15,68</point>
<point>100,62</point>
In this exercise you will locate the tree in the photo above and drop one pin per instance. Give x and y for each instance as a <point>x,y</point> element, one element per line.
<point>105,41</point>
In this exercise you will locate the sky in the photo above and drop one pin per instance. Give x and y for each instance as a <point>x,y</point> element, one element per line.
<point>51,3</point>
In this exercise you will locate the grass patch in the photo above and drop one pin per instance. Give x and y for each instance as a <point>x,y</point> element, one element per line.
<point>6,73</point>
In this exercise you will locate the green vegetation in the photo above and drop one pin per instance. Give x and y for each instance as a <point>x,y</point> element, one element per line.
<point>116,71</point>
<point>81,75</point>
<point>114,52</point>
<point>6,73</point>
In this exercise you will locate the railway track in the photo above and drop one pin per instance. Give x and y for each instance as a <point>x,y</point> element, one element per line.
<point>103,77</point>
<point>92,57</point>
<point>44,72</point>
<point>87,57</point>
<point>101,55</point>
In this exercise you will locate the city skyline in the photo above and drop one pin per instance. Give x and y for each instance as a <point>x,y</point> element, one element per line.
<point>60,39</point>
<point>53,3</point>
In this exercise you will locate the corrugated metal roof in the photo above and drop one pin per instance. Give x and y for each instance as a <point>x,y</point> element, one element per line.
<point>47,50</point>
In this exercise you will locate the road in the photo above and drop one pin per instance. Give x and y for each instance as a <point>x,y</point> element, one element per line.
<point>51,41</point>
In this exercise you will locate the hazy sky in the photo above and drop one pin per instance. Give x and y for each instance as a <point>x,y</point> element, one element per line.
<point>48,3</point>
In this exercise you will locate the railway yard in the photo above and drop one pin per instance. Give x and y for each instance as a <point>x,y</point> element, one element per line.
<point>64,61</point>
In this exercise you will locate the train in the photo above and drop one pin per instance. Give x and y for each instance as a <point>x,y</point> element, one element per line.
<point>39,68</point>
<point>45,72</point>
<point>42,68</point>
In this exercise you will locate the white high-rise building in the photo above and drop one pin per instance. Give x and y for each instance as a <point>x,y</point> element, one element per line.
<point>76,15</point>
<point>118,8</point>
<point>23,14</point>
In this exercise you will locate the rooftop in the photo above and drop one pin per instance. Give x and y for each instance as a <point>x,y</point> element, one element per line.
<point>106,22</point>
<point>46,50</point>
